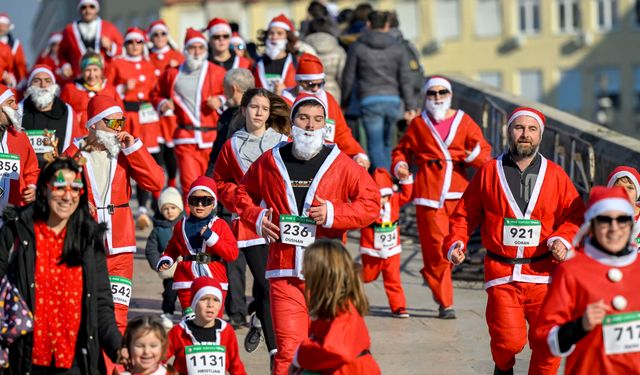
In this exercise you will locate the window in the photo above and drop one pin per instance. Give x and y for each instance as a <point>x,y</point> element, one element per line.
<point>488,18</point>
<point>529,16</point>
<point>407,12</point>
<point>568,16</point>
<point>531,84</point>
<point>491,78</point>
<point>607,95</point>
<point>636,89</point>
<point>447,20</point>
<point>607,14</point>
<point>569,91</point>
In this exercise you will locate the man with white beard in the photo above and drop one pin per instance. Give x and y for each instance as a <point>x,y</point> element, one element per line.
<point>194,92</point>
<point>443,142</point>
<point>18,163</point>
<point>307,190</point>
<point>42,110</point>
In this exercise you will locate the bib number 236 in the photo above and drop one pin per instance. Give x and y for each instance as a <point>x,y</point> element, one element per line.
<point>297,230</point>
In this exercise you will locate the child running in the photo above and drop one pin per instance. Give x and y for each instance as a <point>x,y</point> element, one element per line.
<point>145,344</point>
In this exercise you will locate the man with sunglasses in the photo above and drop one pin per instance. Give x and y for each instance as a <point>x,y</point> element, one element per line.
<point>89,33</point>
<point>220,52</point>
<point>114,157</point>
<point>443,142</point>
<point>529,212</point>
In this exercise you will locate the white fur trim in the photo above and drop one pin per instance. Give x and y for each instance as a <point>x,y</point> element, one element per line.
<point>89,2</point>
<point>103,114</point>
<point>213,239</point>
<point>282,25</point>
<point>259,222</point>
<point>162,259</point>
<point>297,104</point>
<point>55,38</point>
<point>195,40</point>
<point>407,181</point>
<point>360,155</point>
<point>220,28</point>
<point>134,36</point>
<point>606,259</point>
<point>5,20</point>
<point>438,81</point>
<point>41,70</point>
<point>398,165</point>
<point>137,144</point>
<point>158,26</point>
<point>566,243</point>
<point>202,187</point>
<point>630,175</point>
<point>206,291</point>
<point>525,112</point>
<point>474,154</point>
<point>453,246</point>
<point>6,95</point>
<point>554,343</point>
<point>608,204</point>
<point>386,191</point>
<point>330,216</point>
<point>309,77</point>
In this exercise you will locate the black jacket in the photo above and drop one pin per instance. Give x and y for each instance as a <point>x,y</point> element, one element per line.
<point>159,238</point>
<point>98,328</point>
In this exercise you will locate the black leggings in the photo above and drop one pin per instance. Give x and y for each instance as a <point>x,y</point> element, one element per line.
<point>169,160</point>
<point>256,257</point>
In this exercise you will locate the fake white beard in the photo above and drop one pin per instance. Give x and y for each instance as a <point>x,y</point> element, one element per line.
<point>42,97</point>
<point>273,48</point>
<point>14,117</point>
<point>438,110</point>
<point>109,141</point>
<point>306,143</point>
<point>194,63</point>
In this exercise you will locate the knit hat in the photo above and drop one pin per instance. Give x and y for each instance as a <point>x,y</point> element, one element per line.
<point>157,25</point>
<point>282,22</point>
<point>309,68</point>
<point>91,59</point>
<point>172,196</point>
<point>5,93</point>
<point>603,199</point>
<point>624,171</point>
<point>304,97</point>
<point>218,26</point>
<point>101,106</point>
<point>194,36</point>
<point>203,286</point>
<point>527,111</point>
<point>437,81</point>
<point>207,184</point>
<point>5,19</point>
<point>41,68</point>
<point>89,2</point>
<point>55,37</point>
<point>383,179</point>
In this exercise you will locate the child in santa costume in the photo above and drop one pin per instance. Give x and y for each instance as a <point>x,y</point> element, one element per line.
<point>380,243</point>
<point>145,343</point>
<point>590,314</point>
<point>204,241</point>
<point>206,342</point>
<point>629,179</point>
<point>338,341</point>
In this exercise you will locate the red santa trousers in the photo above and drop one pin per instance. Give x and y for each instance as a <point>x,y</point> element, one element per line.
<point>390,268</point>
<point>184,296</point>
<point>433,227</point>
<point>509,308</point>
<point>290,320</point>
<point>192,163</point>
<point>121,265</point>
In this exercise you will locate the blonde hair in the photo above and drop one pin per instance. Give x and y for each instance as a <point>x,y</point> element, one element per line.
<point>331,280</point>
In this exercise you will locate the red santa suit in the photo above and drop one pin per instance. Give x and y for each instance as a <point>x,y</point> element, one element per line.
<point>162,60</point>
<point>288,73</point>
<point>78,96</point>
<point>112,203</point>
<point>440,181</point>
<point>339,346</point>
<point>196,130</point>
<point>182,340</point>
<point>6,65</point>
<point>380,243</point>
<point>588,277</point>
<point>222,26</point>
<point>47,57</point>
<point>517,283</point>
<point>19,69</point>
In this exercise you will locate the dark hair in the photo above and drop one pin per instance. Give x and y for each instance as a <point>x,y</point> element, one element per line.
<point>317,9</point>
<point>82,229</point>
<point>378,19</point>
<point>361,13</point>
<point>308,103</point>
<point>393,20</point>
<point>321,25</point>
<point>235,28</point>
<point>345,16</point>
<point>278,109</point>
<point>142,325</point>
<point>292,39</point>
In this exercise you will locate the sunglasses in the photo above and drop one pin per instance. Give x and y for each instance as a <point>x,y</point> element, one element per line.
<point>90,6</point>
<point>136,41</point>
<point>313,85</point>
<point>221,37</point>
<point>114,124</point>
<point>159,34</point>
<point>621,220</point>
<point>61,190</point>
<point>200,201</point>
<point>441,92</point>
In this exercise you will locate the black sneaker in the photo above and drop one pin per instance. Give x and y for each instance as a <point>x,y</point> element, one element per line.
<point>446,313</point>
<point>252,340</point>
<point>497,371</point>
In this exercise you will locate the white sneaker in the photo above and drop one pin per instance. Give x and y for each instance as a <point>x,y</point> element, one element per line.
<point>166,321</point>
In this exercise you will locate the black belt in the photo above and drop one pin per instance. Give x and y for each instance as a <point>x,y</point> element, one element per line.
<point>202,258</point>
<point>363,353</point>
<point>506,260</point>
<point>132,106</point>
<point>112,207</point>
<point>374,225</point>
<point>198,128</point>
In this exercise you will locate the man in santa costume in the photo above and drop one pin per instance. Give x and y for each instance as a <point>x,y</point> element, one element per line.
<point>6,37</point>
<point>528,211</point>
<point>47,120</point>
<point>194,91</point>
<point>307,190</point>
<point>6,66</point>
<point>220,52</point>
<point>629,179</point>
<point>310,80</point>
<point>50,57</point>
<point>276,69</point>
<point>443,142</point>
<point>89,33</point>
<point>113,158</point>
<point>19,172</point>
<point>590,314</point>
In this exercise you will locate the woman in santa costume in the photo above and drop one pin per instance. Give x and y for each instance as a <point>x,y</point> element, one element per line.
<point>591,313</point>
<point>528,211</point>
<point>220,52</point>
<point>629,179</point>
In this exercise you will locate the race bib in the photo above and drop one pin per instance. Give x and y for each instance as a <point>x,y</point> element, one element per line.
<point>521,232</point>
<point>205,359</point>
<point>39,140</point>
<point>330,131</point>
<point>385,237</point>
<point>10,166</point>
<point>147,114</point>
<point>621,333</point>
<point>297,230</point>
<point>272,79</point>
<point>120,290</point>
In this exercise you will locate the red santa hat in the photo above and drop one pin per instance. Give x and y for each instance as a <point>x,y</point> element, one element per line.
<point>309,68</point>
<point>194,36</point>
<point>204,183</point>
<point>55,37</point>
<point>204,286</point>
<point>527,111</point>
<point>624,171</point>
<point>5,93</point>
<point>41,68</point>
<point>101,106</point>
<point>437,81</point>
<point>282,22</point>
<point>303,97</point>
<point>383,179</point>
<point>157,25</point>
<point>237,39</point>
<point>5,19</point>
<point>603,199</point>
<point>219,26</point>
<point>95,3</point>
<point>135,33</point>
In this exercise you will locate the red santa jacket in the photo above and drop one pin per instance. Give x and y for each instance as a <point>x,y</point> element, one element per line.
<point>441,163</point>
<point>180,337</point>
<point>205,118</point>
<point>133,162</point>
<point>353,202</point>
<point>338,347</point>
<point>488,201</point>
<point>6,61</point>
<point>19,69</point>
<point>221,244</point>
<point>287,76</point>
<point>577,282</point>
<point>389,214</point>
<point>78,96</point>
<point>72,48</point>
<point>16,143</point>
<point>162,58</point>
<point>73,129</point>
<point>53,62</point>
<point>241,62</point>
